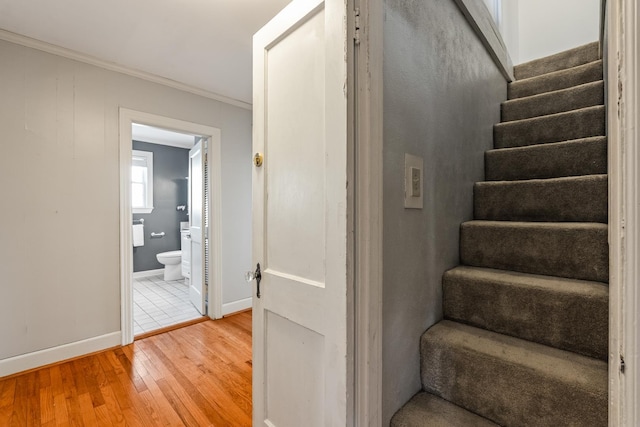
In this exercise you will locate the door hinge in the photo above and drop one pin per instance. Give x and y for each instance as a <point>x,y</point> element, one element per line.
<point>356,20</point>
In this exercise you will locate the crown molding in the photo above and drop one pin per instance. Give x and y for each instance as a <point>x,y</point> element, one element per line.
<point>91,60</point>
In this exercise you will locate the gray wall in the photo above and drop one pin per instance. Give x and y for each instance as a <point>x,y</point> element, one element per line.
<point>59,176</point>
<point>442,95</point>
<point>170,168</point>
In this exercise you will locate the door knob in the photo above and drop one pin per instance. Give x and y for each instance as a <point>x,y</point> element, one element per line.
<point>258,159</point>
<point>257,275</point>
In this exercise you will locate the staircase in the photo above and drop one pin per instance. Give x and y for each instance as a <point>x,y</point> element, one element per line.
<point>525,336</point>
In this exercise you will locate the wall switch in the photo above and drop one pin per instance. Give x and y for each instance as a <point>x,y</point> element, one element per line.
<point>413,182</point>
<point>416,182</point>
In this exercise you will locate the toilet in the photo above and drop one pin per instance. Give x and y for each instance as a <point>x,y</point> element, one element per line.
<point>172,264</point>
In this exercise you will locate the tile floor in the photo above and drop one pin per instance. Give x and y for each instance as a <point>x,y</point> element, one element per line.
<point>158,304</point>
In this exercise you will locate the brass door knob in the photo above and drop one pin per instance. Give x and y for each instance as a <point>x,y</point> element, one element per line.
<point>258,159</point>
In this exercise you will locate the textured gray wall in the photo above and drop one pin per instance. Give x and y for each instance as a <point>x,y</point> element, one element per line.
<point>442,95</point>
<point>170,167</point>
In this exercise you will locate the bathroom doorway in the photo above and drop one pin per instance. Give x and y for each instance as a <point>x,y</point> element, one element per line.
<point>169,222</point>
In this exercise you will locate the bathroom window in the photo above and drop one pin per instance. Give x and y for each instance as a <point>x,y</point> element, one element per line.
<point>142,182</point>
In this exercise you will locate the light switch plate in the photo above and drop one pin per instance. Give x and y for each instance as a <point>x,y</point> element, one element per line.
<point>413,182</point>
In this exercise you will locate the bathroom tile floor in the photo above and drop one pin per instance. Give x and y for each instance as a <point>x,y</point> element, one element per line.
<point>158,304</point>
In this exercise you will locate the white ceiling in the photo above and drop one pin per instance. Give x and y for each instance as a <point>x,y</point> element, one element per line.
<point>202,43</point>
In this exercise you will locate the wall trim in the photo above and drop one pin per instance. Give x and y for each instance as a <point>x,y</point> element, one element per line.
<point>36,359</point>
<point>147,273</point>
<point>214,165</point>
<point>623,106</point>
<point>236,306</point>
<point>482,23</point>
<point>92,60</point>
<point>367,221</point>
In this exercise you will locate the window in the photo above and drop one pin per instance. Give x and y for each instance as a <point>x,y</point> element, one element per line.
<point>142,182</point>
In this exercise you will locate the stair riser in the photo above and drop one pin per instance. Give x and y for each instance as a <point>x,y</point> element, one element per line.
<point>574,320</point>
<point>555,81</point>
<point>577,124</point>
<point>572,252</point>
<point>560,61</point>
<point>555,102</point>
<point>572,158</point>
<point>581,199</point>
<point>507,393</point>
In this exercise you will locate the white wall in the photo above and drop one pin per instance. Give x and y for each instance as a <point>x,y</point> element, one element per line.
<point>509,28</point>
<point>546,27</point>
<point>59,177</point>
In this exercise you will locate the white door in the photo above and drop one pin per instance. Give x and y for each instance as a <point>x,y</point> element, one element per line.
<point>196,226</point>
<point>300,328</point>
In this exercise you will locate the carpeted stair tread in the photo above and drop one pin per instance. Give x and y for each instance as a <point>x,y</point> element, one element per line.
<point>567,59</point>
<point>576,198</point>
<point>573,98</point>
<point>425,409</point>
<point>563,313</point>
<point>582,123</point>
<point>510,381</point>
<point>587,156</point>
<point>563,249</point>
<point>556,80</point>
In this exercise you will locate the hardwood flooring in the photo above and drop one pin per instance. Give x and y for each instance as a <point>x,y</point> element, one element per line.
<point>199,375</point>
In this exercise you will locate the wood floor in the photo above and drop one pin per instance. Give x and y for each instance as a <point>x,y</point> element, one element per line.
<point>199,375</point>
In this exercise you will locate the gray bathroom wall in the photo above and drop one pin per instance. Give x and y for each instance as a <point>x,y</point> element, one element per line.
<point>442,95</point>
<point>170,168</point>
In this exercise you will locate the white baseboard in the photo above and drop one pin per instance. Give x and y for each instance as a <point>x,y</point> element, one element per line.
<point>235,306</point>
<point>147,273</point>
<point>24,362</point>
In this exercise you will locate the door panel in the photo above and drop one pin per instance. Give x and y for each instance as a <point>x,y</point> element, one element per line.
<point>196,226</point>
<point>295,183</point>
<point>300,217</point>
<point>287,371</point>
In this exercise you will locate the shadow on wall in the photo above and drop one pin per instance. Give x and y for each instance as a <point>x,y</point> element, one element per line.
<point>170,190</point>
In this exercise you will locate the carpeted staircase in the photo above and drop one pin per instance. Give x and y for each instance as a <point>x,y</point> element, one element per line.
<point>525,336</point>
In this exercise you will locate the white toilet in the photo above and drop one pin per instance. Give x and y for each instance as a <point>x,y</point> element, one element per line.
<point>172,264</point>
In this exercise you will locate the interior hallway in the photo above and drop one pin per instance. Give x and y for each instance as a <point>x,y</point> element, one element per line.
<point>194,376</point>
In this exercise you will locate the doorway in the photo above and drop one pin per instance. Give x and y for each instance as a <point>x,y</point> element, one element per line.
<point>156,290</point>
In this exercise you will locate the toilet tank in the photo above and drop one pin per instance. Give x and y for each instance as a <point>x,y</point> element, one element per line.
<point>185,245</point>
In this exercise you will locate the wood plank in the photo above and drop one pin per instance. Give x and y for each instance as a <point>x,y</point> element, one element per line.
<point>47,409</point>
<point>91,372</point>
<point>194,376</point>
<point>70,383</point>
<point>60,409</point>
<point>19,415</point>
<point>86,410</point>
<point>59,400</point>
<point>111,407</point>
<point>7,394</point>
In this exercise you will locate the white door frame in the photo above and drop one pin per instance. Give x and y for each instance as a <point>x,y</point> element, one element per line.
<point>368,218</point>
<point>623,59</point>
<point>127,118</point>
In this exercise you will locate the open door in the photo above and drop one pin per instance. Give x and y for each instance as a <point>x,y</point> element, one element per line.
<point>196,226</point>
<point>300,182</point>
